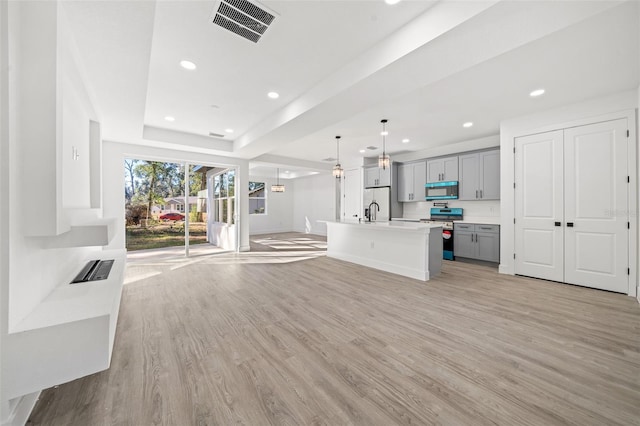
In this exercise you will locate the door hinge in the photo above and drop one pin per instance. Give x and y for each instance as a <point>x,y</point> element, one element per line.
<point>628,133</point>
<point>514,149</point>
<point>628,180</point>
<point>514,220</point>
<point>628,271</point>
<point>628,225</point>
<point>514,185</point>
<point>514,255</point>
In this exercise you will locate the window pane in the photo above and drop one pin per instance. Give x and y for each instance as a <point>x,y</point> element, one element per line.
<point>257,206</point>
<point>232,180</point>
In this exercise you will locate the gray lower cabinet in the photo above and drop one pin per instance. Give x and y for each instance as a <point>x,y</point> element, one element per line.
<point>476,241</point>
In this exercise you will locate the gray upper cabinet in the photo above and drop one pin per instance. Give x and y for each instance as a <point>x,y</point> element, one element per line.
<point>442,169</point>
<point>480,176</point>
<point>375,176</point>
<point>411,180</point>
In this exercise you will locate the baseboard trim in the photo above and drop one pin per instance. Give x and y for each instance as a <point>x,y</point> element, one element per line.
<point>22,410</point>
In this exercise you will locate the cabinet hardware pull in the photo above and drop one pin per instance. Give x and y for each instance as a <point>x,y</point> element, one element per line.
<point>471,237</point>
<point>476,193</point>
<point>481,193</point>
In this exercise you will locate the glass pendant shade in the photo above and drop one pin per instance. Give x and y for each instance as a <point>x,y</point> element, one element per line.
<point>384,161</point>
<point>277,187</point>
<point>338,172</point>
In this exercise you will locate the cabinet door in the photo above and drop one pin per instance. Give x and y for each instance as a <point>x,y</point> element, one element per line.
<point>469,171</point>
<point>464,244</point>
<point>405,182</point>
<point>384,177</point>
<point>488,246</point>
<point>419,179</point>
<point>371,176</point>
<point>490,175</point>
<point>450,168</point>
<point>435,169</point>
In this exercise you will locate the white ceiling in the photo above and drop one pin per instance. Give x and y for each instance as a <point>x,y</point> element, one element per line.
<point>341,66</point>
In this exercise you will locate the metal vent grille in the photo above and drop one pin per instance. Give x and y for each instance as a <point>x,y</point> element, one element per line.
<point>242,18</point>
<point>372,148</point>
<point>329,159</point>
<point>216,135</point>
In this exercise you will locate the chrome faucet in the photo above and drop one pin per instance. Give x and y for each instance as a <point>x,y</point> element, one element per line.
<point>372,213</point>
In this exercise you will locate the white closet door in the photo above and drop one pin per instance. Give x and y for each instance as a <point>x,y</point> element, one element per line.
<point>352,195</point>
<point>596,246</point>
<point>539,206</point>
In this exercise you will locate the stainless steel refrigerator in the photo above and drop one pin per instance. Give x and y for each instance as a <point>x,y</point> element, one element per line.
<point>383,197</point>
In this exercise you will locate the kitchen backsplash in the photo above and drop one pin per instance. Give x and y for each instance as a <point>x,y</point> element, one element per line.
<point>489,208</point>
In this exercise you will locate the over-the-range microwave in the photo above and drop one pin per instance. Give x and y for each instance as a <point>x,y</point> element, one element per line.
<point>447,190</point>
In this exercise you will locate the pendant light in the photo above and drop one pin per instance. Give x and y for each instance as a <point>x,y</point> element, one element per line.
<point>277,187</point>
<point>337,169</point>
<point>384,162</point>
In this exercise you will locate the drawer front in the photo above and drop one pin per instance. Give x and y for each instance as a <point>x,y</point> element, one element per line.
<point>463,226</point>
<point>487,228</point>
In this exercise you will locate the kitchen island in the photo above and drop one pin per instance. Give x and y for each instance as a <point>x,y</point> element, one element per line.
<point>405,248</point>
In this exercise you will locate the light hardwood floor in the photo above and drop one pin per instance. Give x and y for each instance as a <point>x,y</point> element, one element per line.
<point>319,341</point>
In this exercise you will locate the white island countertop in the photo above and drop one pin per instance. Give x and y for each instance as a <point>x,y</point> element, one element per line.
<point>392,225</point>
<point>412,249</point>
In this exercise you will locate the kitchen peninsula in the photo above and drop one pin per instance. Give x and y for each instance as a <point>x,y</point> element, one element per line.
<point>405,248</point>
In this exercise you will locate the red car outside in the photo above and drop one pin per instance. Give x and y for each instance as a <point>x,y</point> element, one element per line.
<point>172,216</point>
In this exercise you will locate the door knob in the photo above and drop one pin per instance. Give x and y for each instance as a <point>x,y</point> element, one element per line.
<point>558,223</point>
<point>570,224</point>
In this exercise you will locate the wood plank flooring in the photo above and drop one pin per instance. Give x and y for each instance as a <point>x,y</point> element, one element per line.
<point>323,342</point>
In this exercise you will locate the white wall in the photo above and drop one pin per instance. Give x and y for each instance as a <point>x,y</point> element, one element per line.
<point>600,109</point>
<point>313,201</point>
<point>279,216</point>
<point>29,272</point>
<point>472,209</point>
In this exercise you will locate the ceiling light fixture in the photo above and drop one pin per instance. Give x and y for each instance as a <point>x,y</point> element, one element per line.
<point>277,187</point>
<point>392,2</point>
<point>170,118</point>
<point>362,151</point>
<point>406,140</point>
<point>467,124</point>
<point>337,169</point>
<point>273,95</point>
<point>228,130</point>
<point>384,161</point>
<point>188,65</point>
<point>536,93</point>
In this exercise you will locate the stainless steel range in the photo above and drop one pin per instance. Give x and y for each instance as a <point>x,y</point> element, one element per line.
<point>445,217</point>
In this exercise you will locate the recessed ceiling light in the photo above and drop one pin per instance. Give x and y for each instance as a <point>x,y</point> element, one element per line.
<point>228,130</point>
<point>363,151</point>
<point>287,171</point>
<point>215,106</point>
<point>170,118</point>
<point>405,141</point>
<point>392,2</point>
<point>536,93</point>
<point>188,65</point>
<point>467,124</point>
<point>273,95</point>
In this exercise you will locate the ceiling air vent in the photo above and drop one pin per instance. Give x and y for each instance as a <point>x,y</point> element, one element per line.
<point>242,17</point>
<point>372,148</point>
<point>328,159</point>
<point>216,135</point>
